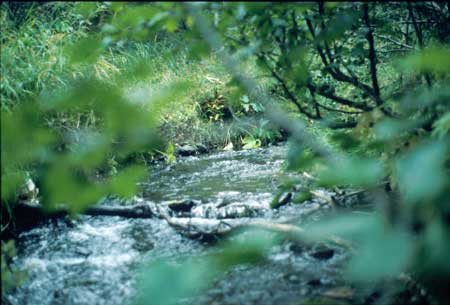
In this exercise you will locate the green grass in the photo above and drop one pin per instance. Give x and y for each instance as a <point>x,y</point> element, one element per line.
<point>34,61</point>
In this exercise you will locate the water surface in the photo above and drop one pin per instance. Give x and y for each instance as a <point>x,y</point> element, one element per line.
<point>93,260</point>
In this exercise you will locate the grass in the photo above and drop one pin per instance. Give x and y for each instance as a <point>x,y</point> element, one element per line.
<point>34,61</point>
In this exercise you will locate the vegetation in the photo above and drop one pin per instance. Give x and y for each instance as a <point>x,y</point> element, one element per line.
<point>90,89</point>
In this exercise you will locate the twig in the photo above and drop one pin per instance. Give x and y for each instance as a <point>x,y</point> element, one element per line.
<point>394,41</point>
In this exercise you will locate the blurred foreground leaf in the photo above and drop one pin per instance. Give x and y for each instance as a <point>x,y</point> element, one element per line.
<point>420,174</point>
<point>165,283</point>
<point>352,171</point>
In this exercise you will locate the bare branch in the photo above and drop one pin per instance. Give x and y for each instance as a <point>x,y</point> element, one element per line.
<point>394,51</point>
<point>399,43</point>
<point>325,93</point>
<point>338,110</point>
<point>286,90</point>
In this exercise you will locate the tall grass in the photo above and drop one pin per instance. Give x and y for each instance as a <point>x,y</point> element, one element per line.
<point>34,60</point>
<point>32,38</point>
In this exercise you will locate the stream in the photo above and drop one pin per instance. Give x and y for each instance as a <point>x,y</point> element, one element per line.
<point>93,260</point>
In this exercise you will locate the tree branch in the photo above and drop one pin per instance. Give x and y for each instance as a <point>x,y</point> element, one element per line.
<point>322,26</point>
<point>338,110</point>
<point>285,88</point>
<point>342,125</point>
<point>325,93</point>
<point>419,39</point>
<point>316,105</point>
<point>372,55</point>
<point>399,43</point>
<point>336,73</point>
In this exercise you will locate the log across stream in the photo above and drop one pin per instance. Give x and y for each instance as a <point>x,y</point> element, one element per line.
<point>94,260</point>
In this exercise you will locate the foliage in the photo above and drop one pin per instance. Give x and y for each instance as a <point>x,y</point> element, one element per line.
<point>250,143</point>
<point>169,154</point>
<point>32,38</point>
<point>165,282</point>
<point>328,80</point>
<point>215,108</point>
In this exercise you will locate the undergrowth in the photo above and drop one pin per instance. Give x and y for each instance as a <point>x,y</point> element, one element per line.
<point>35,61</point>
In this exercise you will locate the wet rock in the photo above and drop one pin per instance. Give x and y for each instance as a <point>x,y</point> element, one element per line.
<point>235,211</point>
<point>323,253</point>
<point>181,206</point>
<point>202,149</point>
<point>82,251</point>
<point>314,282</point>
<point>143,246</point>
<point>283,201</point>
<point>142,242</point>
<point>186,150</point>
<point>28,191</point>
<point>231,210</point>
<point>293,278</point>
<point>286,199</point>
<point>297,248</point>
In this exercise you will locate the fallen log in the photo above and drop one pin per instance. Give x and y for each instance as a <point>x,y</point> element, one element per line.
<point>214,229</point>
<point>331,200</point>
<point>28,209</point>
<point>195,227</point>
<point>28,214</point>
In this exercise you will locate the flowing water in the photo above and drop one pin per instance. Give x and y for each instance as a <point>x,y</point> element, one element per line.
<point>93,260</point>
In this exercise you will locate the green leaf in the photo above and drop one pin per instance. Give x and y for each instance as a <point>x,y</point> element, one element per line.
<point>11,181</point>
<point>441,127</point>
<point>250,142</point>
<point>352,171</point>
<point>385,253</point>
<point>345,140</point>
<point>86,50</point>
<point>163,283</point>
<point>301,197</point>
<point>390,129</point>
<point>436,248</point>
<point>166,283</point>
<point>86,9</point>
<point>421,174</point>
<point>338,25</point>
<point>171,24</point>
<point>125,182</point>
<point>431,59</point>
<point>374,244</point>
<point>64,184</point>
<point>300,158</point>
<point>198,50</point>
